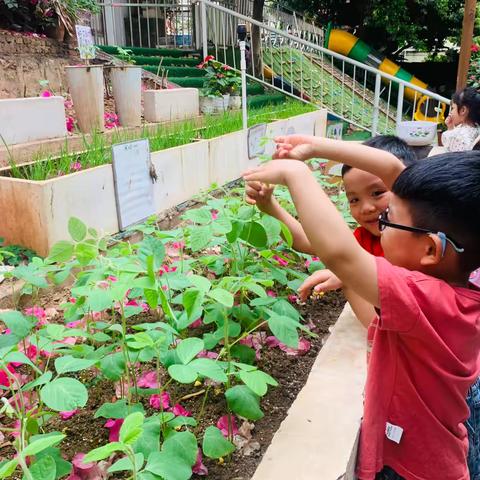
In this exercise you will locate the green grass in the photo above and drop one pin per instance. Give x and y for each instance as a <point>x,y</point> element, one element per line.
<point>97,149</point>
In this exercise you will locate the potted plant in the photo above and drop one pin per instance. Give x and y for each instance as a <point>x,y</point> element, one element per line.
<point>127,89</point>
<point>216,87</point>
<point>235,86</point>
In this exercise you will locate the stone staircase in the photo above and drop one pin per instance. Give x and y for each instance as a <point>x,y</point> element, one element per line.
<point>180,65</point>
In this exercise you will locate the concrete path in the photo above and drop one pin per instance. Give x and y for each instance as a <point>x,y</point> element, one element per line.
<point>314,442</point>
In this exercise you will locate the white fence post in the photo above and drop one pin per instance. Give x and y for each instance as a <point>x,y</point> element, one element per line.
<point>376,104</point>
<point>203,10</point>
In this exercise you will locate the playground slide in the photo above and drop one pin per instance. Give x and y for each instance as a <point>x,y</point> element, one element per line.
<point>351,46</point>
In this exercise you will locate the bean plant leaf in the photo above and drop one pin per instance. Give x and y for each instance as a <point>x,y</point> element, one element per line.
<point>285,329</point>
<point>61,252</point>
<point>200,236</point>
<point>77,229</point>
<point>19,325</point>
<point>235,232</point>
<point>149,441</point>
<point>44,469</point>
<point>215,445</point>
<point>242,401</point>
<point>71,364</point>
<point>222,296</point>
<point>152,246</point>
<point>118,409</point>
<point>192,300</point>
<point>113,366</point>
<point>7,468</point>
<point>64,394</point>
<point>198,215</point>
<point>41,380</point>
<point>103,452</point>
<point>126,464</point>
<point>41,442</point>
<point>132,428</point>
<point>189,348</point>
<point>168,466</point>
<point>183,373</point>
<point>286,234</point>
<point>62,466</point>
<point>257,381</point>
<point>254,233</point>
<point>209,368</point>
<point>183,445</point>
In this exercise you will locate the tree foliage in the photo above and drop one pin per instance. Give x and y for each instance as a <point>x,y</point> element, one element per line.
<point>390,25</point>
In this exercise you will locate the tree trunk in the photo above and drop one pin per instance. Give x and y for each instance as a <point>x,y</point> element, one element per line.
<point>255,44</point>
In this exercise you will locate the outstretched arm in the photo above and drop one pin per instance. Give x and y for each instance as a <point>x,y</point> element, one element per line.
<point>328,233</point>
<point>378,162</point>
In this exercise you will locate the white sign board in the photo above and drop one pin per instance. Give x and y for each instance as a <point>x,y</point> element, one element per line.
<point>133,183</point>
<point>86,45</point>
<point>256,140</point>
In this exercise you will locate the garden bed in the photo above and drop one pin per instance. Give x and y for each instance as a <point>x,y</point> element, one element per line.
<point>205,312</point>
<point>39,198</point>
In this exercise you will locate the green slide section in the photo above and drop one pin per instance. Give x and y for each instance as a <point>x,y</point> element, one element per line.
<point>324,86</point>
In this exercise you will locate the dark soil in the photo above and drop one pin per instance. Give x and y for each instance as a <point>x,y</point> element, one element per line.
<point>84,432</point>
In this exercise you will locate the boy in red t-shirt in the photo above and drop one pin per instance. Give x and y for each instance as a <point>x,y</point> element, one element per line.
<point>426,346</point>
<point>367,197</point>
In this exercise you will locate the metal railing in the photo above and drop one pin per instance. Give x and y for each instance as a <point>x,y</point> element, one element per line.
<point>355,92</point>
<point>145,24</point>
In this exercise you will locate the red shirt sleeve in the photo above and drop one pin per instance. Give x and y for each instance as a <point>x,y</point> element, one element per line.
<point>369,242</point>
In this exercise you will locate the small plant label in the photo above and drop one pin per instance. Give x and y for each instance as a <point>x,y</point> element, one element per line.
<point>256,143</point>
<point>133,182</point>
<point>86,45</point>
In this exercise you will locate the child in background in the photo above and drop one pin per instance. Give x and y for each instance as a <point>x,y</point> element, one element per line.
<point>368,198</point>
<point>463,121</point>
<point>426,342</point>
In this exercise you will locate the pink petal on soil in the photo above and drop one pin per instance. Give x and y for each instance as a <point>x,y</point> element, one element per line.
<point>214,214</point>
<point>272,342</point>
<point>207,354</point>
<point>280,261</point>
<point>114,426</point>
<point>293,298</point>
<point>199,468</point>
<point>67,415</point>
<point>148,380</point>
<point>178,410</point>
<point>197,323</point>
<point>222,425</point>
<point>303,348</point>
<point>160,402</point>
<point>271,293</point>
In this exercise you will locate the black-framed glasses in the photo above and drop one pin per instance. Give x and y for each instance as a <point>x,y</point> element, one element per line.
<point>383,222</point>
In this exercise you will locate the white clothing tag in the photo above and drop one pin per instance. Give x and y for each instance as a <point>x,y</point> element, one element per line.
<point>393,432</point>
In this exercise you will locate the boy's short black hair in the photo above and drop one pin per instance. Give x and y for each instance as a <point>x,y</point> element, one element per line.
<point>391,144</point>
<point>443,194</point>
<point>469,97</point>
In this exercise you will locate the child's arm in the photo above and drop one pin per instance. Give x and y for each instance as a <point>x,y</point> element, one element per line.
<point>260,195</point>
<point>378,162</point>
<point>329,235</point>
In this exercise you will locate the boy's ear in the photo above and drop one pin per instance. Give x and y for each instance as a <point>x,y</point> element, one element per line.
<point>433,252</point>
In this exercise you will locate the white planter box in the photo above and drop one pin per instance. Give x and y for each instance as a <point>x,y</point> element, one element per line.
<point>36,214</point>
<point>171,104</point>
<point>25,120</point>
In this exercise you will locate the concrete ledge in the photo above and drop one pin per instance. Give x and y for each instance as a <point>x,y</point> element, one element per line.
<point>29,119</point>
<point>314,442</point>
<point>171,104</point>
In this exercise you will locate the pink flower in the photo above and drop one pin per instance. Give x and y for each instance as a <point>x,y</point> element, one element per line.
<point>46,94</point>
<point>280,261</point>
<point>207,354</point>
<point>148,380</point>
<point>67,415</point>
<point>111,120</point>
<point>214,214</point>
<point>112,278</point>
<point>70,124</point>
<point>271,293</point>
<point>292,298</point>
<point>68,104</point>
<point>474,48</point>
<point>197,323</point>
<point>114,426</point>
<point>37,312</point>
<point>223,425</point>
<point>160,402</point>
<point>199,468</point>
<point>76,166</point>
<point>178,245</point>
<point>77,323</point>
<point>4,378</point>
<point>87,471</point>
<point>178,410</point>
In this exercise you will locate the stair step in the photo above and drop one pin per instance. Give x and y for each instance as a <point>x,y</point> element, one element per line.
<point>148,52</point>
<point>178,72</point>
<point>166,61</point>
<point>257,101</point>
<point>197,82</point>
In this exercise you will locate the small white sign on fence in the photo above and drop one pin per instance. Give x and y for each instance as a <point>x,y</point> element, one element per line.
<point>256,140</point>
<point>133,182</point>
<point>86,44</point>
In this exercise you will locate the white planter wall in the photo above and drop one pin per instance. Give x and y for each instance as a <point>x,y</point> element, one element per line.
<point>25,120</point>
<point>36,214</point>
<point>171,104</point>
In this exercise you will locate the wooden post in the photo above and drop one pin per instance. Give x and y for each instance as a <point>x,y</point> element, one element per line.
<point>467,35</point>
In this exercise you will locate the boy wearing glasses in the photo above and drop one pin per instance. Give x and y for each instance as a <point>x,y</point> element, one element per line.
<point>427,338</point>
